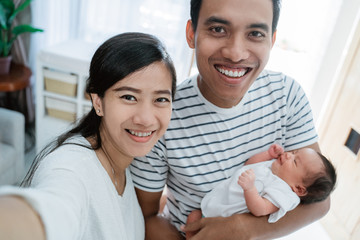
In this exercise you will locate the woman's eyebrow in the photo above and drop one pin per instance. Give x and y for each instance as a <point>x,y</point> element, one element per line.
<point>125,88</point>
<point>135,90</point>
<point>167,92</point>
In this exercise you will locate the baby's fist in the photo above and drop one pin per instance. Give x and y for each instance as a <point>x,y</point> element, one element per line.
<point>247,179</point>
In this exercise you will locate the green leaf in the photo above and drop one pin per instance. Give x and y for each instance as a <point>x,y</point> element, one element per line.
<point>8,33</point>
<point>9,8</point>
<point>3,20</point>
<point>1,47</point>
<point>8,5</point>
<point>25,28</point>
<point>20,8</point>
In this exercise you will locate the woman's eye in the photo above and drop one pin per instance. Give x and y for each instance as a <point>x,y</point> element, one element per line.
<point>162,100</point>
<point>128,97</point>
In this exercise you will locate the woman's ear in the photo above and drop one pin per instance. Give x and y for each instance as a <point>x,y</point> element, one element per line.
<point>190,34</point>
<point>300,190</point>
<point>96,102</point>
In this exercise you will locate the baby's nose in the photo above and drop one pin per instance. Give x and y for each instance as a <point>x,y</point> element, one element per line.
<point>284,157</point>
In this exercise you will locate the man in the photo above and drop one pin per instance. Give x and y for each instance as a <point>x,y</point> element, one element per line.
<point>230,111</point>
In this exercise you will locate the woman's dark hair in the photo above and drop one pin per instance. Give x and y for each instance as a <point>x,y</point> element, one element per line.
<point>322,184</point>
<point>114,60</point>
<point>195,6</point>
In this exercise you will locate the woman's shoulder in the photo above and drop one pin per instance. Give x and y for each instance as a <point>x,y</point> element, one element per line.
<point>72,153</point>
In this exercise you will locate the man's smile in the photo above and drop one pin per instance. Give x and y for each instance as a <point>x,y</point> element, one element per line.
<point>232,72</point>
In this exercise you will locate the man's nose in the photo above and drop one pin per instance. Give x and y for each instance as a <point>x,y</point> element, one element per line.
<point>236,49</point>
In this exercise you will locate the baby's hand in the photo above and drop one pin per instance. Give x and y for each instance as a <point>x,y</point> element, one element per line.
<point>275,150</point>
<point>247,179</point>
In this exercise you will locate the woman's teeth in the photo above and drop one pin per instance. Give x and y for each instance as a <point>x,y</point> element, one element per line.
<point>140,134</point>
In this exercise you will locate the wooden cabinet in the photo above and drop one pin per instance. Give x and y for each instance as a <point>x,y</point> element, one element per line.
<point>61,74</point>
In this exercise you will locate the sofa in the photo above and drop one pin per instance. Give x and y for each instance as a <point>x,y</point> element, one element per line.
<point>12,146</point>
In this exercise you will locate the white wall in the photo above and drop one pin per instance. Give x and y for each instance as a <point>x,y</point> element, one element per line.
<point>331,63</point>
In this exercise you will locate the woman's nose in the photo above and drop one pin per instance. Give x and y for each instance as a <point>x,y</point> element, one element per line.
<point>145,115</point>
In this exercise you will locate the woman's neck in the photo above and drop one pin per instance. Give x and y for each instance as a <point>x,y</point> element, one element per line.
<point>114,167</point>
<point>113,161</point>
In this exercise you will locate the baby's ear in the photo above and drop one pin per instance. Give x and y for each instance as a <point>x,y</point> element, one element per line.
<point>300,190</point>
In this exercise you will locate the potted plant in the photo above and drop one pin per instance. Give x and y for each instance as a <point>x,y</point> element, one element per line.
<point>9,32</point>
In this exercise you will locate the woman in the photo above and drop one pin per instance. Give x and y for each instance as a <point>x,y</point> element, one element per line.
<point>81,188</point>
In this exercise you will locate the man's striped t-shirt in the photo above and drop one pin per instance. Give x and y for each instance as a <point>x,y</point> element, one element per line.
<point>205,144</point>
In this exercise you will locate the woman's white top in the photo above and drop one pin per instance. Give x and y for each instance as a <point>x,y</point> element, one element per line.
<point>227,198</point>
<point>76,199</point>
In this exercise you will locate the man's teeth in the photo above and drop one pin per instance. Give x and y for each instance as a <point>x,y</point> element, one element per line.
<point>231,73</point>
<point>140,134</point>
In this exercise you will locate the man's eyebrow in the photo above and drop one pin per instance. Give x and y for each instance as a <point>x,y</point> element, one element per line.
<point>214,19</point>
<point>262,26</point>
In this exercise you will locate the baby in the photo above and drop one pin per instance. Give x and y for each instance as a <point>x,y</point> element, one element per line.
<point>271,182</point>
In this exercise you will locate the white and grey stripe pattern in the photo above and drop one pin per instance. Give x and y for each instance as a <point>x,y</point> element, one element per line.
<point>204,144</point>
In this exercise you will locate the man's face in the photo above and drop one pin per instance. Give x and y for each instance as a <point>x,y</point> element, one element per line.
<point>232,46</point>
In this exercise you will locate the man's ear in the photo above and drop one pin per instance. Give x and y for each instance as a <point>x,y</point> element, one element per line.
<point>300,190</point>
<point>96,102</point>
<point>190,34</point>
<point>273,38</point>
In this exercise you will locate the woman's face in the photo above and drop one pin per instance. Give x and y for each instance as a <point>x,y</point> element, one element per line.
<point>136,110</point>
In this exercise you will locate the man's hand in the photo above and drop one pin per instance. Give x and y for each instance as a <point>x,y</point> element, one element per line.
<point>247,226</point>
<point>224,228</point>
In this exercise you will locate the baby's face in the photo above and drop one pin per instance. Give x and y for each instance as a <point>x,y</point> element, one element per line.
<point>294,166</point>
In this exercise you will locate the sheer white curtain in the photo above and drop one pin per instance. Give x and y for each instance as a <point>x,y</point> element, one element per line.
<point>97,20</point>
<point>58,20</point>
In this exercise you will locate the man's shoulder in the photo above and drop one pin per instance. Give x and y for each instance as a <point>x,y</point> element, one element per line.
<point>272,75</point>
<point>275,77</point>
<point>186,89</point>
<point>187,83</point>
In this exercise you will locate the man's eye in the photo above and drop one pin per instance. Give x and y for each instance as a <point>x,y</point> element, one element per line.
<point>128,97</point>
<point>218,29</point>
<point>257,34</point>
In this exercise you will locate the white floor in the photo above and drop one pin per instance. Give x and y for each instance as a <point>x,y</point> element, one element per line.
<point>312,231</point>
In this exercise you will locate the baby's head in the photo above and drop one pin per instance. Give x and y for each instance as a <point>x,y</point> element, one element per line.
<point>309,174</point>
<point>319,184</point>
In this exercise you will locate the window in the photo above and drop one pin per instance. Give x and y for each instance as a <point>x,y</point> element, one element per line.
<point>304,31</point>
<point>95,21</point>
